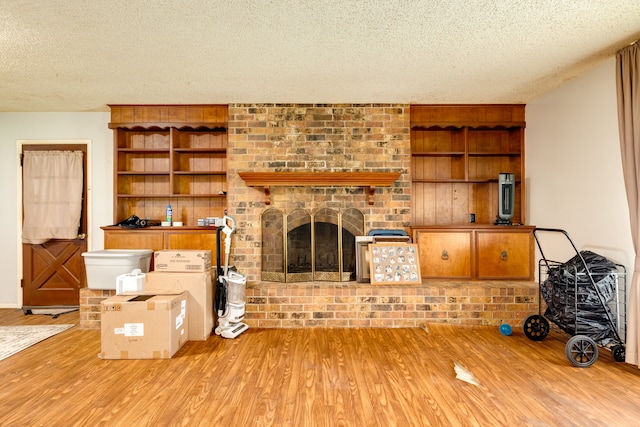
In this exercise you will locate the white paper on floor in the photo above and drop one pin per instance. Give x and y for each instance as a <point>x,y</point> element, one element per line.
<point>463,374</point>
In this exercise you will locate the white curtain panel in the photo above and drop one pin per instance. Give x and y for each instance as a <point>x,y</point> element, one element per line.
<point>628,95</point>
<point>52,193</point>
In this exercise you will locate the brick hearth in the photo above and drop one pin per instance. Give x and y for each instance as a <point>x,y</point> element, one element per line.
<point>363,305</point>
<point>327,304</point>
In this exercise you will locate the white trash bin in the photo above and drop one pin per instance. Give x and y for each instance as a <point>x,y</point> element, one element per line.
<point>103,267</point>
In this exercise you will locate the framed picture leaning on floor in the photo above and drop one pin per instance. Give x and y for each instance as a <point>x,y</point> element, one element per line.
<point>394,263</point>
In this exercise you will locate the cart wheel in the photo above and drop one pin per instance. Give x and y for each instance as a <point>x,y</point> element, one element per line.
<point>582,351</point>
<point>535,327</point>
<point>618,352</point>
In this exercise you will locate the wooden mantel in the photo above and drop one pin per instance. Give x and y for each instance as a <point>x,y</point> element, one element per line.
<point>371,180</point>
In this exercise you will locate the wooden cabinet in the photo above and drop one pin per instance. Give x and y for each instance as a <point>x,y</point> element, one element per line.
<point>475,252</point>
<point>457,153</point>
<point>169,154</point>
<point>158,238</point>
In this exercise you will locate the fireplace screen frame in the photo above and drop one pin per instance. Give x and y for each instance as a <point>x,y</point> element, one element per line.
<point>277,226</point>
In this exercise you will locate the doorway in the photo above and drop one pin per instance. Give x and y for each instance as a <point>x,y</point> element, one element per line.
<point>53,272</point>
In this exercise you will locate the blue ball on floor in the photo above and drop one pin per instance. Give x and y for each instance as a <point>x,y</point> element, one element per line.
<point>506,329</point>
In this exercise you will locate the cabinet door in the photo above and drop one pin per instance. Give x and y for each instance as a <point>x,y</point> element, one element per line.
<point>444,253</point>
<point>134,239</point>
<point>195,240</point>
<point>504,255</point>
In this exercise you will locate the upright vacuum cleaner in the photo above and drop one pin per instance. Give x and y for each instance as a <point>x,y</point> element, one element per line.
<point>230,287</point>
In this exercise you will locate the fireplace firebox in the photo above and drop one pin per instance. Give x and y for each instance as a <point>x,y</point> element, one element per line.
<point>300,246</point>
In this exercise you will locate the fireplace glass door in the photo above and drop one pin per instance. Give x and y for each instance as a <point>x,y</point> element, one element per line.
<point>315,247</point>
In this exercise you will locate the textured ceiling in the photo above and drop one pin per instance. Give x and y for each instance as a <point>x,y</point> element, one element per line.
<point>65,55</point>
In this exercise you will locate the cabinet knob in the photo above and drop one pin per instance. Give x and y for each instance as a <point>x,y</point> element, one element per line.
<point>445,255</point>
<point>503,255</point>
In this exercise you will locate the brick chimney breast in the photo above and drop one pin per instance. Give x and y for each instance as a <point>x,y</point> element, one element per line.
<point>315,137</point>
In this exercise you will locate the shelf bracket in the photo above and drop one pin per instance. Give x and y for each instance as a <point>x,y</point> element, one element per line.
<point>267,195</point>
<point>372,191</point>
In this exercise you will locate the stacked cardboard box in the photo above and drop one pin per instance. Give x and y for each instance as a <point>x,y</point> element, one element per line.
<point>180,261</point>
<point>186,273</point>
<point>199,287</point>
<point>187,270</point>
<point>144,325</point>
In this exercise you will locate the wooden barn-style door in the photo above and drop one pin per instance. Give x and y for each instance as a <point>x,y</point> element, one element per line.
<point>53,271</point>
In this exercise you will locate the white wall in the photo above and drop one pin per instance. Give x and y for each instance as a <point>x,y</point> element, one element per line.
<point>574,169</point>
<point>50,126</point>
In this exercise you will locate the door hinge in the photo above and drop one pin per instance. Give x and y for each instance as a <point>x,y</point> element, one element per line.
<point>21,159</point>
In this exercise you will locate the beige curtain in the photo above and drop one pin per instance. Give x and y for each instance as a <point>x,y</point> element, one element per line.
<point>52,193</point>
<point>628,88</point>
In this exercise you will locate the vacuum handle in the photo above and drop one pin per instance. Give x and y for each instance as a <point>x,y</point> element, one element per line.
<point>228,230</point>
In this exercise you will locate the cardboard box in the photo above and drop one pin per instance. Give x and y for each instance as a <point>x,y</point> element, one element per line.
<point>200,288</point>
<point>184,260</point>
<point>141,325</point>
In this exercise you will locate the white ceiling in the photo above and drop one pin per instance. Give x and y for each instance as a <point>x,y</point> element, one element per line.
<point>66,55</point>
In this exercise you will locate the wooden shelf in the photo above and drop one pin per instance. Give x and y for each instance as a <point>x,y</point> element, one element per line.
<point>454,181</point>
<point>199,172</point>
<point>371,180</point>
<point>145,150</point>
<point>166,195</point>
<point>201,150</point>
<point>143,196</point>
<point>143,172</point>
<point>438,153</point>
<point>493,154</point>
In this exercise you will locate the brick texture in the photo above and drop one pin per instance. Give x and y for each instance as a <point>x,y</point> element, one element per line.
<point>90,300</point>
<point>278,305</point>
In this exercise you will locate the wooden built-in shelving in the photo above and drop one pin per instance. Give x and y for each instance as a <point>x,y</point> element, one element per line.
<point>169,154</point>
<point>457,153</point>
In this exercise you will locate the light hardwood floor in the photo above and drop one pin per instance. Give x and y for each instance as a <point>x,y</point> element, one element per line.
<point>316,377</point>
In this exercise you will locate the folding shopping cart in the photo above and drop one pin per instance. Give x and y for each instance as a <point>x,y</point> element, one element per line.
<point>585,297</point>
